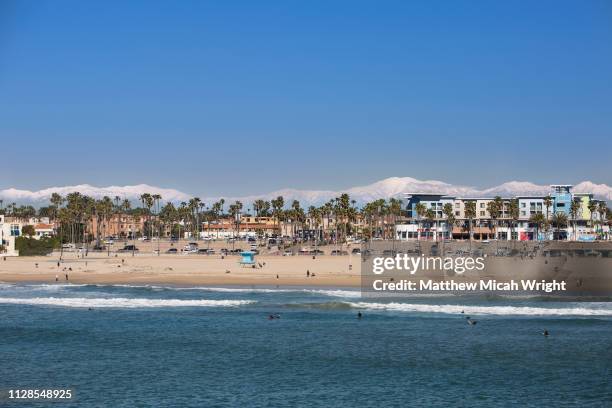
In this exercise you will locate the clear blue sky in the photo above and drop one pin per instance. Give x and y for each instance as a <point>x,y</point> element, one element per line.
<point>239,97</point>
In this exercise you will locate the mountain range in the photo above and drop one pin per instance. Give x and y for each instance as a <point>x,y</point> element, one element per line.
<point>387,188</point>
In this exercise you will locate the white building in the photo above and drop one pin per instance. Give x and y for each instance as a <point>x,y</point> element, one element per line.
<point>9,230</point>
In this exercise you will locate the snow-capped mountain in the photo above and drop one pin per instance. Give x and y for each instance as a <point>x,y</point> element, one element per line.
<point>387,188</point>
<point>131,193</point>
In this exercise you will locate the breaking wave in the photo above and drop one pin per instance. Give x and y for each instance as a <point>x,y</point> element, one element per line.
<point>483,310</point>
<point>122,302</point>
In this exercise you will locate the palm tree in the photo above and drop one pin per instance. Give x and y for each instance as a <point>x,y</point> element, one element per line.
<point>513,213</point>
<point>547,203</point>
<point>470,214</point>
<point>235,211</point>
<point>314,216</point>
<point>495,209</point>
<point>395,210</point>
<point>448,212</point>
<point>592,206</point>
<point>156,202</point>
<point>559,221</point>
<point>277,211</point>
<point>217,209</point>
<point>117,214</point>
<point>421,210</point>
<point>603,211</point>
<point>194,207</point>
<point>539,220</point>
<point>574,210</point>
<point>430,216</point>
<point>147,202</point>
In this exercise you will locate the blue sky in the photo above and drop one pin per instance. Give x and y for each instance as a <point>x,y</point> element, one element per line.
<point>241,97</point>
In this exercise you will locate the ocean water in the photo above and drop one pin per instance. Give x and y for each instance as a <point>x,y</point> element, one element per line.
<point>154,346</point>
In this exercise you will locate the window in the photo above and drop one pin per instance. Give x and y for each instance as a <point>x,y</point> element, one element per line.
<point>482,205</point>
<point>523,213</point>
<point>15,232</point>
<point>482,213</point>
<point>457,213</point>
<point>523,205</point>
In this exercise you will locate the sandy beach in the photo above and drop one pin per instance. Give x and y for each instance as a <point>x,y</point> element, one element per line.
<point>177,269</point>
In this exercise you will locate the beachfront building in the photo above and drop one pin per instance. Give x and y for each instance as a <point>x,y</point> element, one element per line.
<point>529,207</point>
<point>10,229</point>
<point>562,198</point>
<point>43,227</point>
<point>242,226</point>
<point>426,219</point>
<point>117,225</point>
<point>534,221</point>
<point>43,230</point>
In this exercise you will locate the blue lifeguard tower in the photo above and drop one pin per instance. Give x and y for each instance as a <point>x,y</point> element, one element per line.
<point>247,259</point>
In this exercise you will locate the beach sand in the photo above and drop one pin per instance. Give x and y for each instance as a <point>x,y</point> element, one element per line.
<point>187,270</point>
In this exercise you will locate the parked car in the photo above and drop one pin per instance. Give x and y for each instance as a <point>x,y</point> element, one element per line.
<point>128,248</point>
<point>172,251</point>
<point>317,252</point>
<point>337,252</point>
<point>288,252</point>
<point>356,251</point>
<point>206,251</point>
<point>192,246</point>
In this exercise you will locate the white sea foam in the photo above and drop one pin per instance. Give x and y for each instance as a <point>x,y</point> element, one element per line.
<point>325,292</point>
<point>238,290</point>
<point>122,302</point>
<point>487,310</point>
<point>335,293</point>
<point>330,292</point>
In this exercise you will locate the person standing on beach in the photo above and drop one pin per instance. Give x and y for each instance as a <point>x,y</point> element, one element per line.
<point>56,278</point>
<point>66,277</point>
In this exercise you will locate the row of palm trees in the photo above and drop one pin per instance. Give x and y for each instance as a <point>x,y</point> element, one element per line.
<point>333,221</point>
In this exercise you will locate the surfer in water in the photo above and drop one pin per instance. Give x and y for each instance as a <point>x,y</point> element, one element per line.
<point>470,321</point>
<point>545,334</point>
<point>359,315</point>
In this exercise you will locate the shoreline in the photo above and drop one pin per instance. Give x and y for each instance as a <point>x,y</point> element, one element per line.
<point>196,270</point>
